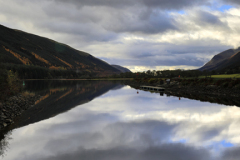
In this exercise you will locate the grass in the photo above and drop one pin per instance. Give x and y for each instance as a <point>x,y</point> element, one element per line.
<point>111,79</point>
<point>224,76</point>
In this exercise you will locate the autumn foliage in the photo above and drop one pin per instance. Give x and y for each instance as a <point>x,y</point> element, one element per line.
<point>9,83</point>
<point>24,60</point>
<point>70,91</point>
<point>41,59</point>
<point>64,62</point>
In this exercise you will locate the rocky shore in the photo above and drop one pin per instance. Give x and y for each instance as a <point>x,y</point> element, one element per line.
<point>175,86</point>
<point>208,93</point>
<point>15,106</point>
<point>207,90</point>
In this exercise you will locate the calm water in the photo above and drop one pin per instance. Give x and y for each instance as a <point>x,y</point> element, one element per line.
<point>109,121</point>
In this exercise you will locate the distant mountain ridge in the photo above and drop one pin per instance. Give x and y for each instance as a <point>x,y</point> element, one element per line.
<point>228,58</point>
<point>18,47</point>
<point>120,68</point>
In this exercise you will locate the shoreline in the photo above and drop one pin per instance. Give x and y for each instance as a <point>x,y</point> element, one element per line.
<point>95,79</point>
<point>211,94</point>
<point>178,88</point>
<point>14,106</point>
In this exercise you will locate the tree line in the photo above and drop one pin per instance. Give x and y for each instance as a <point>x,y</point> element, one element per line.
<point>167,74</point>
<point>9,83</point>
<point>37,72</point>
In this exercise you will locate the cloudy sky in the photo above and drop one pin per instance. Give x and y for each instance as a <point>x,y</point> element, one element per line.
<point>138,34</point>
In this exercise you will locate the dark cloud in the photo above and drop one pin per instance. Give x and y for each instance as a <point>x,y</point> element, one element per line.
<point>233,2</point>
<point>231,154</point>
<point>207,19</point>
<point>147,23</point>
<point>84,32</point>
<point>174,4</point>
<point>165,60</point>
<point>162,4</point>
<point>108,20</point>
<point>209,133</point>
<point>193,48</point>
<point>145,133</point>
<point>200,20</point>
<point>150,54</point>
<point>109,3</point>
<point>150,132</point>
<point>166,152</point>
<point>138,140</point>
<point>158,60</point>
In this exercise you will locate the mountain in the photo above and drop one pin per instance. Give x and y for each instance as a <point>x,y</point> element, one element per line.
<point>120,68</point>
<point>222,60</point>
<point>231,63</point>
<point>18,47</point>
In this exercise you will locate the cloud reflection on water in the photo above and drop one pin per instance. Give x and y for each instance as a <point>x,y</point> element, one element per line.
<point>124,125</point>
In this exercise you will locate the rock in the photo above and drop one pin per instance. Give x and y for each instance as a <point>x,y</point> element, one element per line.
<point>14,106</point>
<point>3,116</point>
<point>211,86</point>
<point>8,121</point>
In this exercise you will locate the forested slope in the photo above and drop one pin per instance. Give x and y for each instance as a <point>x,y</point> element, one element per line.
<point>21,48</point>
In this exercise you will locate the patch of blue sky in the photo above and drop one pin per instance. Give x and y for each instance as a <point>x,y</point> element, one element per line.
<point>224,8</point>
<point>181,12</point>
<point>183,141</point>
<point>216,6</point>
<point>226,144</point>
<point>219,147</point>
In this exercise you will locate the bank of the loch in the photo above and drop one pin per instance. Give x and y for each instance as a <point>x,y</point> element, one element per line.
<point>221,87</point>
<point>15,106</point>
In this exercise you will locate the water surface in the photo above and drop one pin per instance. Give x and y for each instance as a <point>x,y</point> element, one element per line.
<point>109,121</point>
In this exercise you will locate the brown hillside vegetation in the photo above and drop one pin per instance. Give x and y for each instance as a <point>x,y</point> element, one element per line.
<point>25,48</point>
<point>69,65</point>
<point>24,60</point>
<point>41,59</point>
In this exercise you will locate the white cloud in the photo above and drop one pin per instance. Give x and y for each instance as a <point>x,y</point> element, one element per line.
<point>145,68</point>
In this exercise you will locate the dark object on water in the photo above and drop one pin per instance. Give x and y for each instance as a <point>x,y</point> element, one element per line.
<point>161,93</point>
<point>152,88</point>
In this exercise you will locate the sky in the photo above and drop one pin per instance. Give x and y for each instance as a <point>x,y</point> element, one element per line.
<point>137,34</point>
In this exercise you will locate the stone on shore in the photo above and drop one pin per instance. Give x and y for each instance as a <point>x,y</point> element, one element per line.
<point>14,106</point>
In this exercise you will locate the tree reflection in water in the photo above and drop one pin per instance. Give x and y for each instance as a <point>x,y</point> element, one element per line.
<point>4,142</point>
<point>161,93</point>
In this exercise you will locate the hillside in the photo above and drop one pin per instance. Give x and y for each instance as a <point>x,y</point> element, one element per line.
<point>120,68</point>
<point>231,63</point>
<point>17,47</point>
<point>219,60</point>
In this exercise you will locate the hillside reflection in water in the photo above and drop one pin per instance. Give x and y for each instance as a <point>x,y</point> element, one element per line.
<point>122,124</point>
